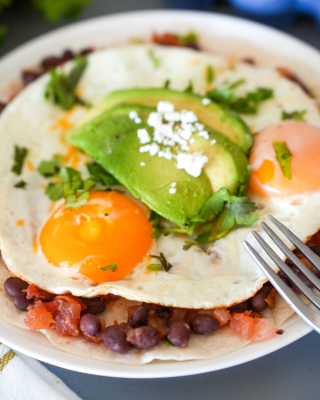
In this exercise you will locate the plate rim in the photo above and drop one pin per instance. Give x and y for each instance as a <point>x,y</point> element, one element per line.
<point>69,361</point>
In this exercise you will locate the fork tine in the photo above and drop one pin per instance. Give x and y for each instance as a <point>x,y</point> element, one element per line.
<point>299,264</point>
<point>305,250</point>
<point>290,274</point>
<point>310,316</point>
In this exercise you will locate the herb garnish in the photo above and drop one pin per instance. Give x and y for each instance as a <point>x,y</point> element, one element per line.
<point>60,90</point>
<point>20,153</point>
<point>100,175</point>
<point>189,88</point>
<point>166,84</point>
<point>156,61</point>
<point>221,212</point>
<point>21,184</point>
<point>154,267</point>
<point>209,74</point>
<point>156,220</point>
<point>248,104</point>
<point>50,168</point>
<point>295,115</point>
<point>284,157</point>
<point>167,342</point>
<point>190,37</point>
<point>163,261</point>
<point>113,267</point>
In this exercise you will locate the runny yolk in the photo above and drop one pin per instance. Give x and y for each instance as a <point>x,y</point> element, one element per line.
<point>266,176</point>
<point>109,228</point>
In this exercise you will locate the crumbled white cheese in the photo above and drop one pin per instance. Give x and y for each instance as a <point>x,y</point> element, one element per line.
<point>165,153</point>
<point>173,184</point>
<point>142,164</point>
<point>154,119</point>
<point>198,126</point>
<point>213,142</point>
<point>137,120</point>
<point>172,190</point>
<point>143,136</point>
<point>192,140</point>
<point>174,116</point>
<point>192,163</point>
<point>165,107</point>
<point>206,101</point>
<point>145,149</point>
<point>204,134</point>
<point>133,115</point>
<point>185,134</point>
<point>188,117</point>
<point>154,148</point>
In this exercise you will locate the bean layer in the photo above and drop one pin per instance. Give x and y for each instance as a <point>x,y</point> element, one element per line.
<point>13,286</point>
<point>204,324</point>
<point>21,302</point>
<point>115,339</point>
<point>91,324</point>
<point>179,333</point>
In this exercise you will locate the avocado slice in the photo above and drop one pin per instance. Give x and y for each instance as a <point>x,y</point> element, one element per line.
<point>214,115</point>
<point>111,140</point>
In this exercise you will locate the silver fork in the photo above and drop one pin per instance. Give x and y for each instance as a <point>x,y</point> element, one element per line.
<point>310,316</point>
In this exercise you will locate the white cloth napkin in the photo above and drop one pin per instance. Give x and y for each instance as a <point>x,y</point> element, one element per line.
<point>22,377</point>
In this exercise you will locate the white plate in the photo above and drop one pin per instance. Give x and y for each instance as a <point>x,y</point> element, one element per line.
<point>215,31</point>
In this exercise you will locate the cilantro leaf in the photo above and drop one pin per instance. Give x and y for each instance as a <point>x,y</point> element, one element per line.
<point>295,115</point>
<point>20,153</point>
<point>209,74</point>
<point>284,157</point>
<point>60,90</point>
<point>101,175</point>
<point>249,104</point>
<point>113,267</point>
<point>225,95</point>
<point>166,84</point>
<point>54,191</point>
<point>20,184</point>
<point>156,60</point>
<point>50,168</point>
<point>224,211</point>
<point>163,261</point>
<point>53,10</point>
<point>154,267</point>
<point>189,88</point>
<point>189,38</point>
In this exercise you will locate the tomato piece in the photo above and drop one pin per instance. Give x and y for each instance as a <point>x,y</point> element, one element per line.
<point>33,292</point>
<point>222,315</point>
<point>244,324</point>
<point>263,331</point>
<point>38,317</point>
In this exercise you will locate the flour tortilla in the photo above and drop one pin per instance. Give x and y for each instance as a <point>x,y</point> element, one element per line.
<point>200,347</point>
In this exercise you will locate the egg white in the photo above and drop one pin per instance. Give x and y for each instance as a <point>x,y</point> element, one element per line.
<point>222,276</point>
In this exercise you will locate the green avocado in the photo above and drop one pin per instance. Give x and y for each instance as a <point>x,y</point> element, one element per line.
<point>215,116</point>
<point>111,140</point>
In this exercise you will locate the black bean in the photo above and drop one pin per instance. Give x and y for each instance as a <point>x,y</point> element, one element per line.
<point>179,333</point>
<point>316,249</point>
<point>283,276</point>
<point>144,337</point>
<point>204,324</point>
<point>67,55</point>
<point>258,302</point>
<point>91,324</point>
<point>29,76</point>
<point>13,286</point>
<point>21,302</point>
<point>241,307</point>
<point>86,51</point>
<point>50,62</point>
<point>302,277</point>
<point>2,106</point>
<point>139,317</point>
<point>115,339</point>
<point>95,305</point>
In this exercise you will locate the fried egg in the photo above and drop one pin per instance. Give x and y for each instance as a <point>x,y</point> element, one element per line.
<point>73,251</point>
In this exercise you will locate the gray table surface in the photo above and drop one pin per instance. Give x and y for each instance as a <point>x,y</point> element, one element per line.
<point>290,373</point>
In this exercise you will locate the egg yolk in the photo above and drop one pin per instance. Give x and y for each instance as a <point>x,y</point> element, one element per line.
<point>267,178</point>
<point>109,228</point>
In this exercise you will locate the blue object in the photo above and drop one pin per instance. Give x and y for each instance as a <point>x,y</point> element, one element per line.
<point>278,13</point>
